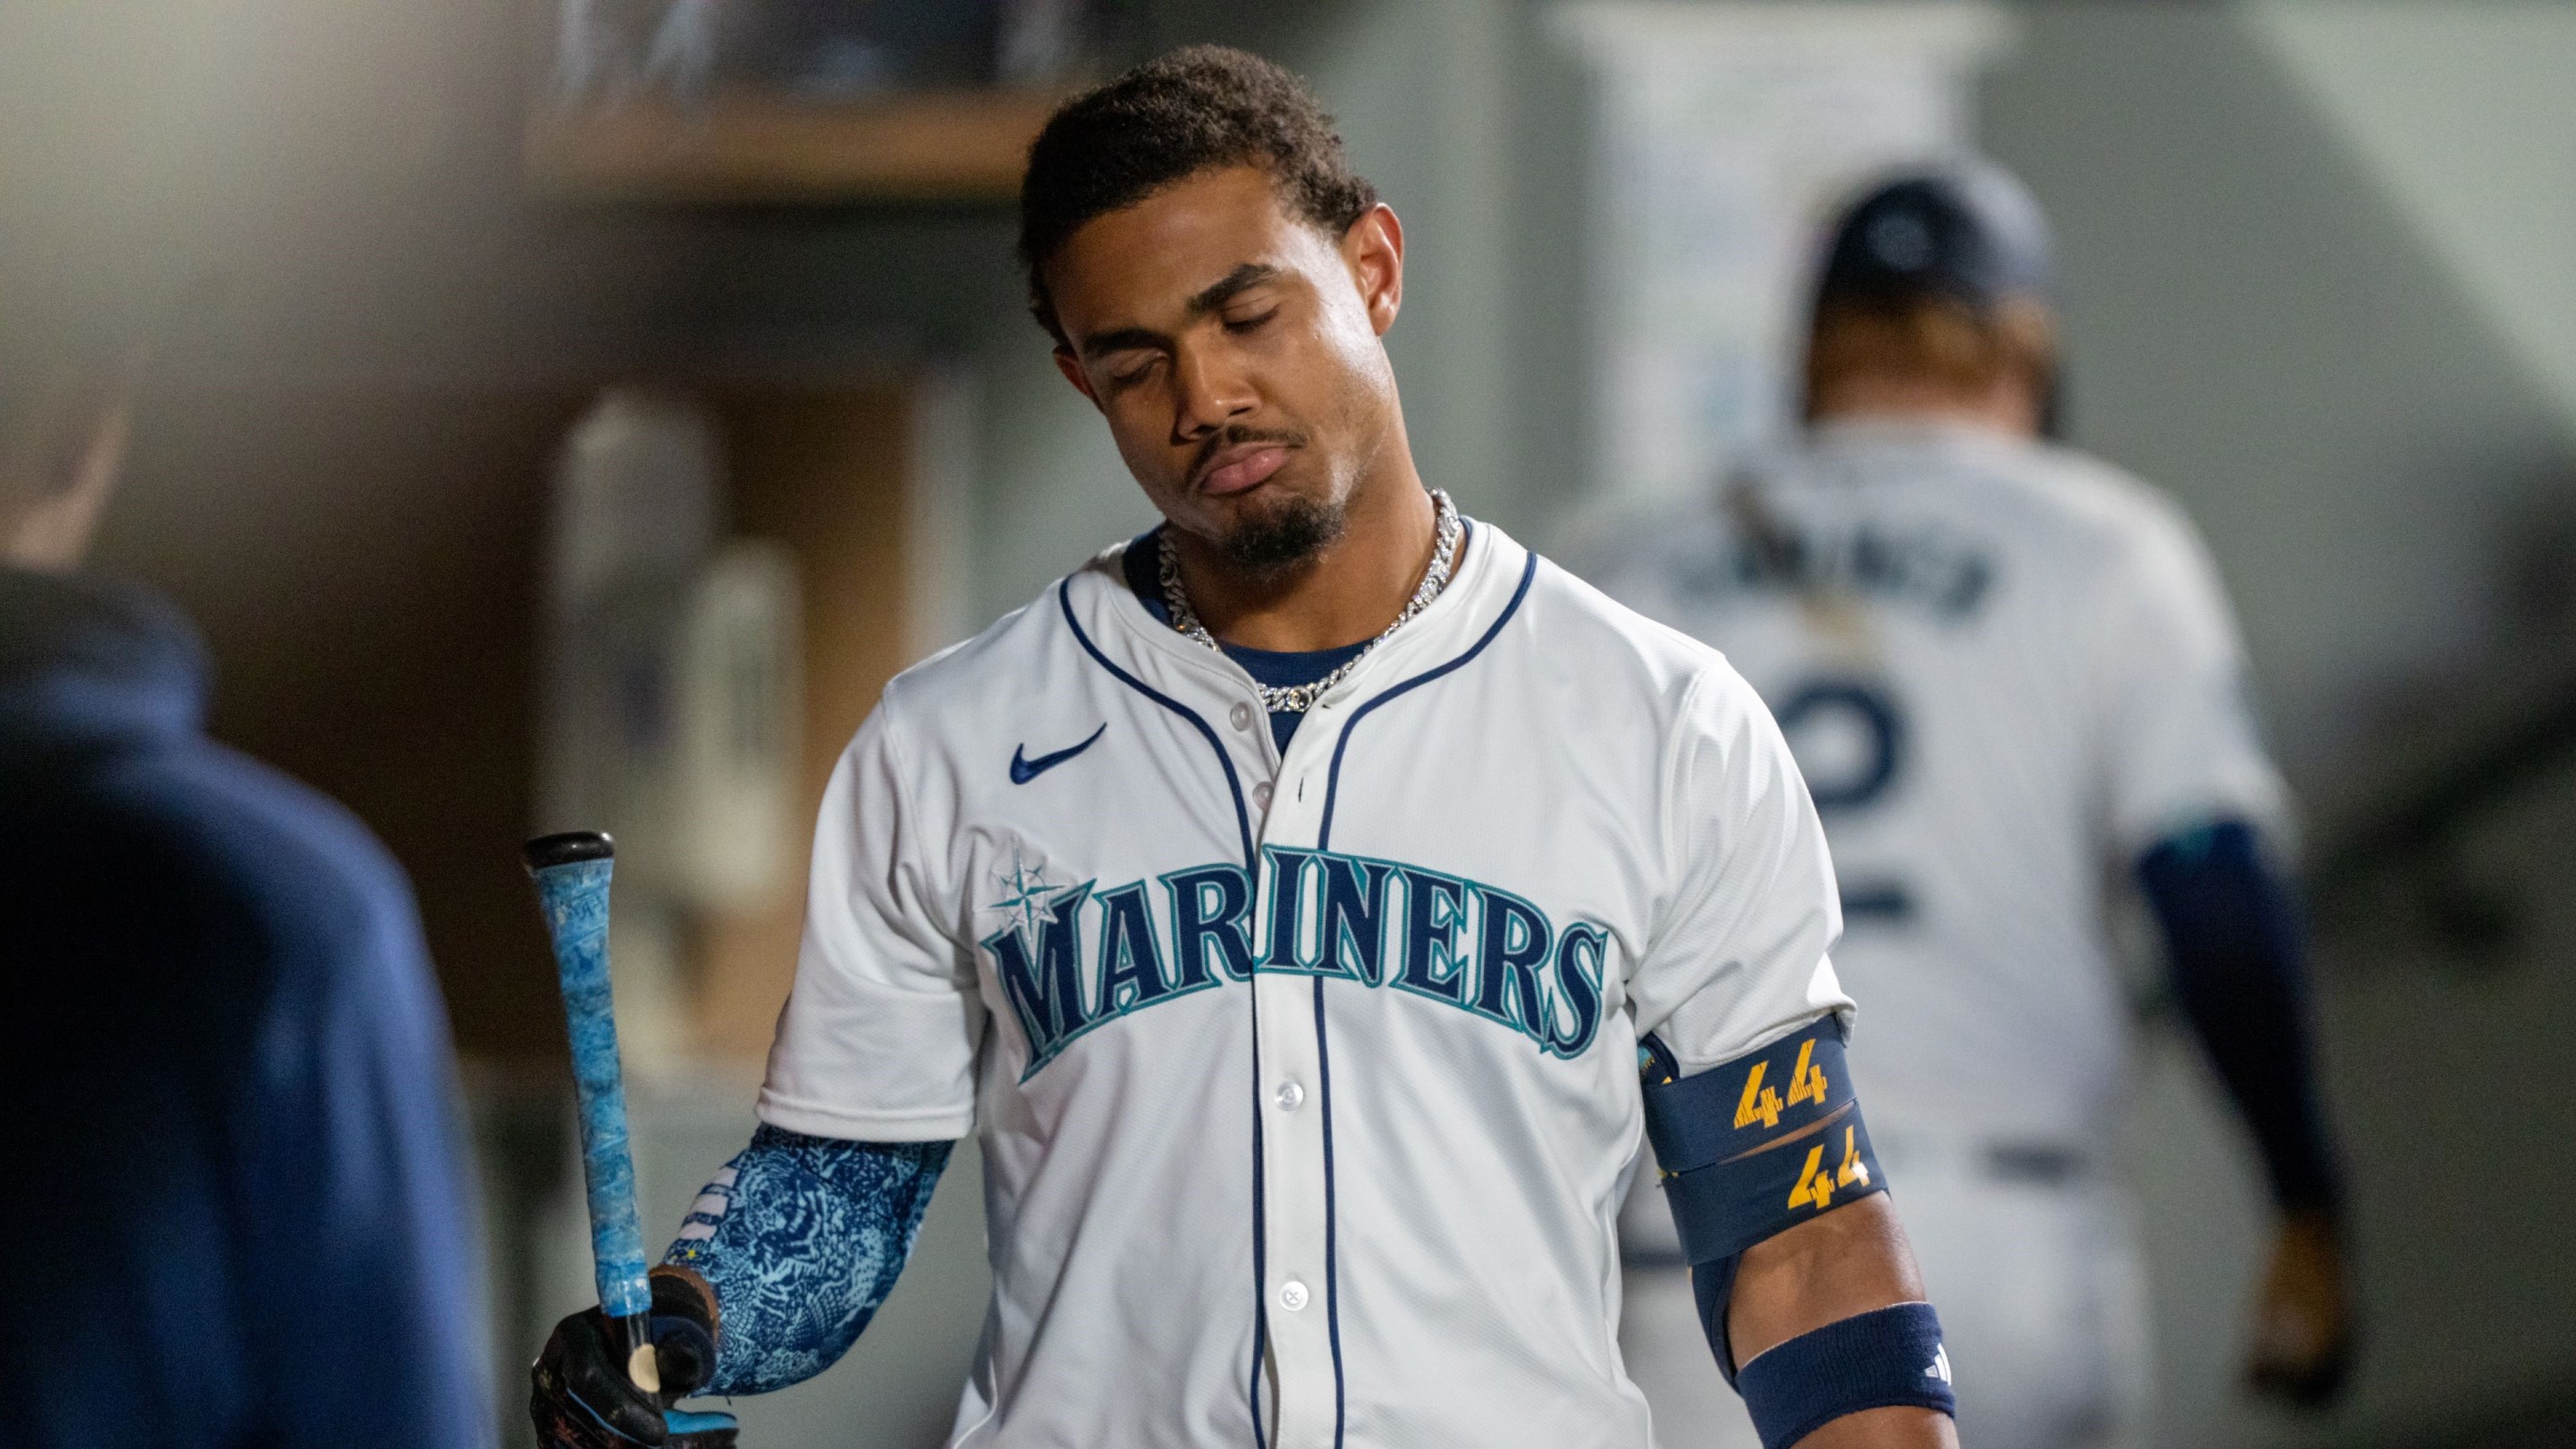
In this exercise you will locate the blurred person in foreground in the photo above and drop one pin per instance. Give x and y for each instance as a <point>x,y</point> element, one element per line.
<point>2008,671</point>
<point>244,1217</point>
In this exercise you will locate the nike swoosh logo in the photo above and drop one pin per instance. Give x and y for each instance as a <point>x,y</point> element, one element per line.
<point>1023,770</point>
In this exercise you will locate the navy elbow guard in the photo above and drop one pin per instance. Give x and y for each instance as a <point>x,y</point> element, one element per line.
<point>1888,1358</point>
<point>1753,1148</point>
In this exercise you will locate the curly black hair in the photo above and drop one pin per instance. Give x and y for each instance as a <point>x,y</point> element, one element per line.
<point>1172,117</point>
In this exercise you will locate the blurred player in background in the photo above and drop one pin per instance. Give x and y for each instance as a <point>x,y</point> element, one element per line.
<point>246,1219</point>
<point>2008,671</point>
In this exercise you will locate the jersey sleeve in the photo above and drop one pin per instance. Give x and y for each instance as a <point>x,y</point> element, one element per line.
<point>879,1038</point>
<point>2180,745</point>
<point>1737,956</point>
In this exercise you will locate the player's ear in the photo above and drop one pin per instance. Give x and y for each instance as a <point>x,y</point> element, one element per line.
<point>1373,248</point>
<point>1071,367</point>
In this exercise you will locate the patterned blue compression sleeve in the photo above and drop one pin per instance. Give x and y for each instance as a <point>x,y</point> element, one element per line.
<point>802,1238</point>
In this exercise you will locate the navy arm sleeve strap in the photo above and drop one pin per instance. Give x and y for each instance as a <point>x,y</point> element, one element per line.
<point>2239,970</point>
<point>1756,1146</point>
<point>802,1238</point>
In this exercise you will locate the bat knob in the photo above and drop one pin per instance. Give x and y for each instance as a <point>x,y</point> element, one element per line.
<point>569,848</point>
<point>644,1369</point>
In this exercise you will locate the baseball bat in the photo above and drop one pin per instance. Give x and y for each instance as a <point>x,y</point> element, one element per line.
<point>571,874</point>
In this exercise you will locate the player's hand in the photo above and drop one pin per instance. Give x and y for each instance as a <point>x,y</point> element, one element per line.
<point>2303,1329</point>
<point>581,1397</point>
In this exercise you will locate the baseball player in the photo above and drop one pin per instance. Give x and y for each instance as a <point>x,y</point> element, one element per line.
<point>2008,671</point>
<point>1289,899</point>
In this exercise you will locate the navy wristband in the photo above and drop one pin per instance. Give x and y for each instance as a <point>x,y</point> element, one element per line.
<point>684,1335</point>
<point>1888,1358</point>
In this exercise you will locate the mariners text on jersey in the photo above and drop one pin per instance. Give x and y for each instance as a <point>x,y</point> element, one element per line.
<point>1304,1081</point>
<point>1474,946</point>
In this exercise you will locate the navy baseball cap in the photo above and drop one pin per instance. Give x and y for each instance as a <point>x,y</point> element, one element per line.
<point>1969,231</point>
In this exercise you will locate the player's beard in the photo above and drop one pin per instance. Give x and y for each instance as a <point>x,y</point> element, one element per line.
<point>1284,535</point>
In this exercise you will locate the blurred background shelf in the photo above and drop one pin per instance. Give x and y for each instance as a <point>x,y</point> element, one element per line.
<point>950,146</point>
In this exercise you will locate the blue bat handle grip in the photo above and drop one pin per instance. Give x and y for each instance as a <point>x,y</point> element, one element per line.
<point>571,874</point>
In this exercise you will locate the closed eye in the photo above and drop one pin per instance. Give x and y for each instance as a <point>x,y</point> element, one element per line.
<point>1134,372</point>
<point>1250,324</point>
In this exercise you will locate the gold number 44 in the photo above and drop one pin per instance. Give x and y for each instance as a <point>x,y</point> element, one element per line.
<point>1761,1104</point>
<point>1815,1187</point>
<point>1807,1083</point>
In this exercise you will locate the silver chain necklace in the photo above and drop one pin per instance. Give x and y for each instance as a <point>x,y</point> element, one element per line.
<point>1446,530</point>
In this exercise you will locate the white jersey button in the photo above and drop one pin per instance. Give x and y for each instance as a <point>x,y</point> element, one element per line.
<point>1241,714</point>
<point>1292,1295</point>
<point>1290,1096</point>
<point>1261,794</point>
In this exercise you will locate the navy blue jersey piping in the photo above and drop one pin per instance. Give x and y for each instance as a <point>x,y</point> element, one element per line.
<point>1332,1234</point>
<point>1323,1044</point>
<point>1252,863</point>
<point>1260,1242</point>
<point>1234,786</point>
<point>1333,779</point>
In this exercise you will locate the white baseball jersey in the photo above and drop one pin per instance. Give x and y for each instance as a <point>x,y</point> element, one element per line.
<point>2006,669</point>
<point>1306,1085</point>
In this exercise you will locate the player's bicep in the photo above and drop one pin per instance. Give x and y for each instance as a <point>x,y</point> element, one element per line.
<point>879,1037</point>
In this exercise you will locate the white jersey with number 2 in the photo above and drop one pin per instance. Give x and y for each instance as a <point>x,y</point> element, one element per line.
<point>2007,670</point>
<point>1306,1085</point>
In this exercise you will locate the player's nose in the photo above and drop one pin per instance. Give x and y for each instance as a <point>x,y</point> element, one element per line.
<point>1208,393</point>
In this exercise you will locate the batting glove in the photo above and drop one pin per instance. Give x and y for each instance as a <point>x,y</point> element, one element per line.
<point>581,1397</point>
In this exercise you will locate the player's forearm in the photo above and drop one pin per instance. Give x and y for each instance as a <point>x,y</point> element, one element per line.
<point>796,1244</point>
<point>1834,1267</point>
<point>1806,1287</point>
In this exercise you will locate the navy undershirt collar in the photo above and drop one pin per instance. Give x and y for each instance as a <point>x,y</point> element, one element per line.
<point>1279,669</point>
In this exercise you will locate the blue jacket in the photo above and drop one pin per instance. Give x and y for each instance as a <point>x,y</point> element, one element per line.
<point>240,1216</point>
